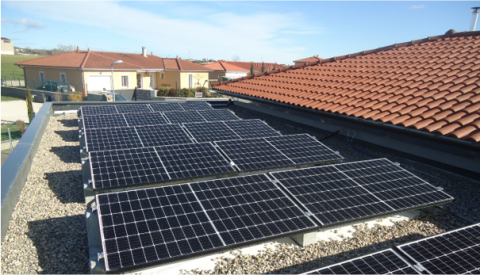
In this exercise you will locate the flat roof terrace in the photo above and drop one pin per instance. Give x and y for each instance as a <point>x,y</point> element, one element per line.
<point>47,232</point>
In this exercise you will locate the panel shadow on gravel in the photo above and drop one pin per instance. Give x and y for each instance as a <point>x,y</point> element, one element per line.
<point>69,122</point>
<point>69,135</point>
<point>346,255</point>
<point>67,186</point>
<point>61,243</point>
<point>67,154</point>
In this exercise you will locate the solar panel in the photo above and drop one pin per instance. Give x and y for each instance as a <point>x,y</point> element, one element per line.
<point>249,208</point>
<point>383,262</point>
<point>251,128</point>
<point>167,134</point>
<point>218,115</point>
<point>154,225</point>
<point>104,121</point>
<point>193,160</point>
<point>275,152</point>
<point>196,105</point>
<point>111,139</point>
<point>210,131</point>
<point>184,117</point>
<point>254,154</point>
<point>98,110</point>
<point>303,149</point>
<point>156,164</point>
<point>454,252</point>
<point>166,107</point>
<point>133,108</point>
<point>117,168</point>
<point>357,190</point>
<point>140,119</point>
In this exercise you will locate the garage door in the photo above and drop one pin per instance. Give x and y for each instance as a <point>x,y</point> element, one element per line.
<point>99,83</point>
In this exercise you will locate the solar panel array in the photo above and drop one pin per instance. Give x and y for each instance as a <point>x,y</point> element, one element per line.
<point>151,225</point>
<point>129,167</point>
<point>143,108</point>
<point>101,139</point>
<point>357,190</point>
<point>454,252</point>
<point>383,262</point>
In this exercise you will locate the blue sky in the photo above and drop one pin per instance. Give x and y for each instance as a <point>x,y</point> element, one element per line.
<point>254,31</point>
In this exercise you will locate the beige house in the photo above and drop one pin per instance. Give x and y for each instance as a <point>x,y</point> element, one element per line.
<point>7,46</point>
<point>91,71</point>
<point>223,71</point>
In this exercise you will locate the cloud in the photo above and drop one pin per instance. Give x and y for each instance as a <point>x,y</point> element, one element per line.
<point>416,7</point>
<point>214,35</point>
<point>29,24</point>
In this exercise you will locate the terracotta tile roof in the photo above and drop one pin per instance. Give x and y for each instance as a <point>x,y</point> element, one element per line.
<point>308,59</point>
<point>224,66</point>
<point>257,66</point>
<point>103,60</point>
<point>430,85</point>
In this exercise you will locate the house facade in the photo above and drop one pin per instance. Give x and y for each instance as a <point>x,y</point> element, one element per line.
<point>257,66</point>
<point>224,71</point>
<point>7,46</point>
<point>91,71</point>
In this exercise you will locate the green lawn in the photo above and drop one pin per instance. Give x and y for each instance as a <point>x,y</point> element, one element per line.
<point>9,98</point>
<point>14,132</point>
<point>9,67</point>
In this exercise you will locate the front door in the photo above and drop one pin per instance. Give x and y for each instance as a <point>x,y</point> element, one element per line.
<point>190,81</point>
<point>153,84</point>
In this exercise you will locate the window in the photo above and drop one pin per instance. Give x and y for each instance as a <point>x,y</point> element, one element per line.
<point>190,81</point>
<point>42,76</point>
<point>6,41</point>
<point>63,77</point>
<point>163,76</point>
<point>125,81</point>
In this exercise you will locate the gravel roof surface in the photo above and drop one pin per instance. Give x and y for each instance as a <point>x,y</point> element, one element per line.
<point>47,232</point>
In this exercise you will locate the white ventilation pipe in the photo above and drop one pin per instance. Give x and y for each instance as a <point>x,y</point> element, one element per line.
<point>473,25</point>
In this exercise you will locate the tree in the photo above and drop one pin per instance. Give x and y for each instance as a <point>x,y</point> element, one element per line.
<point>65,48</point>
<point>29,105</point>
<point>274,67</point>
<point>252,71</point>
<point>263,67</point>
<point>235,58</point>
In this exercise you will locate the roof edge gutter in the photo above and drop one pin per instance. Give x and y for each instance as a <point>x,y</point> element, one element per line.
<point>467,144</point>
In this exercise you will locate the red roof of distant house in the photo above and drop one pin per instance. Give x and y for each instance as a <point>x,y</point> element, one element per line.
<point>103,60</point>
<point>430,85</point>
<point>257,66</point>
<point>4,38</point>
<point>308,59</point>
<point>224,66</point>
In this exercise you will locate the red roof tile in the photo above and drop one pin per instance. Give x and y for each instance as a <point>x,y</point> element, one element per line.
<point>431,84</point>
<point>308,59</point>
<point>103,60</point>
<point>224,66</point>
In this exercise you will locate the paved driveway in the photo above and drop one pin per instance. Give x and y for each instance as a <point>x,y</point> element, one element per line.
<point>17,109</point>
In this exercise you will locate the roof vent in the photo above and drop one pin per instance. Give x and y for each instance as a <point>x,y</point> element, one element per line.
<point>144,51</point>
<point>475,12</point>
<point>450,32</point>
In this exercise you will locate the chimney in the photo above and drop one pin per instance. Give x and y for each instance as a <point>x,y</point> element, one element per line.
<point>144,51</point>
<point>473,25</point>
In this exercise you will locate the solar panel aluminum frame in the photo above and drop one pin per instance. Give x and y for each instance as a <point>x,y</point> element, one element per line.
<point>196,255</point>
<point>400,247</point>
<point>90,181</point>
<point>279,168</point>
<point>364,256</point>
<point>358,220</point>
